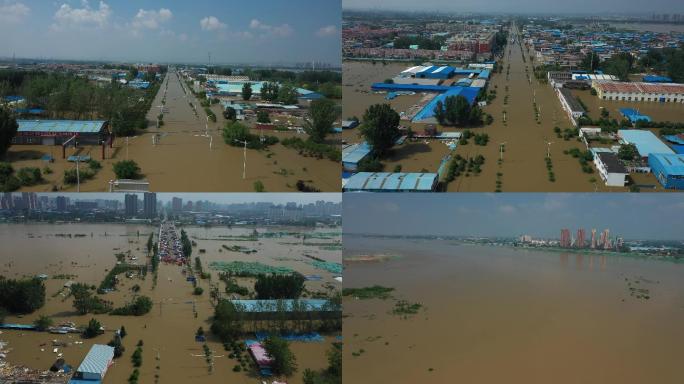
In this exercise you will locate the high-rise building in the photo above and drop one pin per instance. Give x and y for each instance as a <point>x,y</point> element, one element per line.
<point>593,238</point>
<point>131,204</point>
<point>565,241</point>
<point>177,204</point>
<point>6,201</point>
<point>150,204</point>
<point>30,200</point>
<point>62,203</point>
<point>579,240</point>
<point>605,239</point>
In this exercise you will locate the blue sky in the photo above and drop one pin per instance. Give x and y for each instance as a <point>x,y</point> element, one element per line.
<point>631,215</point>
<point>264,31</point>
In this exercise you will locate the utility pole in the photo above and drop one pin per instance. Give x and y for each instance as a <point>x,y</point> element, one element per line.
<point>78,175</point>
<point>244,157</point>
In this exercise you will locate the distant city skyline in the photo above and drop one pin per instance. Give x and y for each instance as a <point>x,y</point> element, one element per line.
<point>631,216</point>
<point>218,198</point>
<point>265,32</point>
<point>586,7</point>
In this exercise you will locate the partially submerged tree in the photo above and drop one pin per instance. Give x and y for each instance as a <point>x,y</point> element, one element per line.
<point>322,115</point>
<point>380,127</point>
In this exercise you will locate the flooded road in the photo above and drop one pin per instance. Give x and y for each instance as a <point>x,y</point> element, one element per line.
<point>494,315</point>
<point>168,330</point>
<point>182,159</point>
<point>526,138</point>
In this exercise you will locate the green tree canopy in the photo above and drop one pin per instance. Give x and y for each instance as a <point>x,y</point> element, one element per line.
<point>284,360</point>
<point>380,127</point>
<point>322,115</point>
<point>8,129</point>
<point>628,152</point>
<point>127,169</point>
<point>289,286</point>
<point>247,91</point>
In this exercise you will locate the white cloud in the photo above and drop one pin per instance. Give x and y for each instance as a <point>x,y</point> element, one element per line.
<point>283,30</point>
<point>211,23</point>
<point>87,17</point>
<point>507,209</point>
<point>183,37</point>
<point>13,12</point>
<point>151,19</point>
<point>328,30</point>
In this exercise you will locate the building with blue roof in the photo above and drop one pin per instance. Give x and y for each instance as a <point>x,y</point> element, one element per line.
<point>94,366</point>
<point>656,79</point>
<point>435,72</point>
<point>353,154</point>
<point>668,168</point>
<point>391,182</point>
<point>56,132</point>
<point>645,141</point>
<point>428,111</point>
<point>633,115</point>
<point>286,305</point>
<point>409,87</point>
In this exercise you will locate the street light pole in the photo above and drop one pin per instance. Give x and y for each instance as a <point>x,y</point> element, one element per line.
<point>78,175</point>
<point>548,148</point>
<point>244,157</point>
<point>501,147</point>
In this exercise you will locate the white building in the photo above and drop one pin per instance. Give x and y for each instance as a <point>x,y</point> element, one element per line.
<point>570,105</point>
<point>610,169</point>
<point>638,91</point>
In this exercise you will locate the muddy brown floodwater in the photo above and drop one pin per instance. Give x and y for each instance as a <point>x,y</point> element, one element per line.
<point>182,160</point>
<point>523,168</point>
<point>168,330</point>
<point>500,315</point>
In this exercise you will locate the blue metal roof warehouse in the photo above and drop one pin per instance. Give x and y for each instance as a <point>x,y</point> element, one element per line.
<point>94,366</point>
<point>645,141</point>
<point>668,169</point>
<point>313,305</point>
<point>391,182</point>
<point>436,72</point>
<point>409,87</point>
<point>353,154</point>
<point>428,111</point>
<point>51,132</point>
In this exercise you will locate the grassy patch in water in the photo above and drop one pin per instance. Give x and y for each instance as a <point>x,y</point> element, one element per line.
<point>373,292</point>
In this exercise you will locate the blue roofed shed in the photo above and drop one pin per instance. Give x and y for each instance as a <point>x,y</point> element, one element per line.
<point>645,141</point>
<point>268,306</point>
<point>353,154</point>
<point>668,168</point>
<point>51,132</point>
<point>94,366</point>
<point>428,111</point>
<point>391,182</point>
